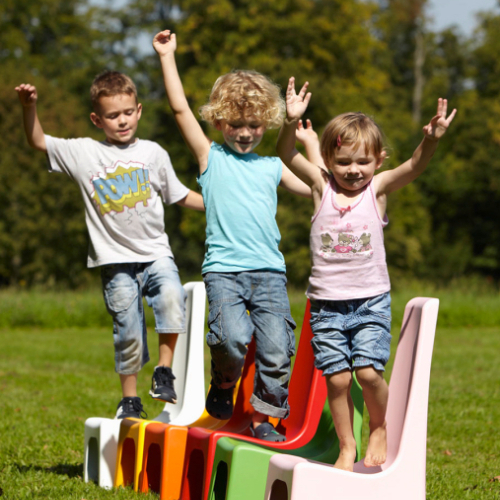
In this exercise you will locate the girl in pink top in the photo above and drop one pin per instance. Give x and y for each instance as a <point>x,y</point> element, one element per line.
<point>349,284</point>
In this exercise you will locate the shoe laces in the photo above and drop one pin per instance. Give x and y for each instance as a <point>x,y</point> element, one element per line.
<point>135,405</point>
<point>164,376</point>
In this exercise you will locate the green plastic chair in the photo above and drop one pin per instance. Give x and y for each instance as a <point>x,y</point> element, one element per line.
<point>240,468</point>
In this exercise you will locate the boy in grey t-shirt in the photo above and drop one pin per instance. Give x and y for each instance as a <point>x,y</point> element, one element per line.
<point>121,180</point>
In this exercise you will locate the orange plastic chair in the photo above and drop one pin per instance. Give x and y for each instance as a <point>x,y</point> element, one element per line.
<point>307,396</point>
<point>403,473</point>
<point>195,458</point>
<point>165,447</point>
<point>163,459</point>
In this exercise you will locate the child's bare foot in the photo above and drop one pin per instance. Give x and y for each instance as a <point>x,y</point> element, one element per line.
<point>377,447</point>
<point>346,459</point>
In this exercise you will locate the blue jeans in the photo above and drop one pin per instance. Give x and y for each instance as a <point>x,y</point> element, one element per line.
<point>263,294</point>
<point>124,285</point>
<point>351,333</point>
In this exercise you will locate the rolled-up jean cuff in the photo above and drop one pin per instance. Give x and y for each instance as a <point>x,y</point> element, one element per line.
<point>268,409</point>
<point>133,372</point>
<point>170,330</point>
<point>338,367</point>
<point>361,362</point>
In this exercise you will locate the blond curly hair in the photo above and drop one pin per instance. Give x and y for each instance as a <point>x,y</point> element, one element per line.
<point>248,94</point>
<point>351,129</point>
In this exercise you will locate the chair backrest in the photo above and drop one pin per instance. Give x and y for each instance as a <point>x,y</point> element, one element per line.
<point>188,364</point>
<point>409,384</point>
<point>243,411</point>
<point>307,390</point>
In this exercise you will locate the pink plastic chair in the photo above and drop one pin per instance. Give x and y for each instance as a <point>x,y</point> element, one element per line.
<point>403,474</point>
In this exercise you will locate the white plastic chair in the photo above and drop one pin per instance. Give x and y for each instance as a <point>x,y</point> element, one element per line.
<point>403,473</point>
<point>188,364</point>
<point>101,434</point>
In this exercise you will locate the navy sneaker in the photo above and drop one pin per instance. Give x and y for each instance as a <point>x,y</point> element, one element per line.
<point>219,403</point>
<point>130,408</point>
<point>267,432</point>
<point>162,385</point>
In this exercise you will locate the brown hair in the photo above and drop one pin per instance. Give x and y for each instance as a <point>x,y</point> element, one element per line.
<point>351,129</point>
<point>110,83</point>
<point>245,93</point>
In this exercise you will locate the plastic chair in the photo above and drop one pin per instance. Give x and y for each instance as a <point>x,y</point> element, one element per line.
<point>195,459</point>
<point>188,364</point>
<point>101,443</point>
<point>240,468</point>
<point>129,452</point>
<point>101,434</point>
<point>403,474</point>
<point>165,447</point>
<point>307,396</point>
<point>161,463</point>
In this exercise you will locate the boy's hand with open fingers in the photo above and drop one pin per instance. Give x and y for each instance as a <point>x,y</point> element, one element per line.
<point>296,104</point>
<point>439,123</point>
<point>27,94</point>
<point>165,42</point>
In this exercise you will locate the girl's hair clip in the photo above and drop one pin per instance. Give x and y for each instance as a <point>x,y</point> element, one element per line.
<point>339,141</point>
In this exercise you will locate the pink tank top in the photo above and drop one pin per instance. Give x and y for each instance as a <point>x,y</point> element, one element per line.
<point>347,248</point>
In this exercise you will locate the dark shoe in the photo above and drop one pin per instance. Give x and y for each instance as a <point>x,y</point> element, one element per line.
<point>162,385</point>
<point>267,432</point>
<point>219,403</point>
<point>130,408</point>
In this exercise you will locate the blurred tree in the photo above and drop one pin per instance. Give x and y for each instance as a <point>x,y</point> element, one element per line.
<point>372,56</point>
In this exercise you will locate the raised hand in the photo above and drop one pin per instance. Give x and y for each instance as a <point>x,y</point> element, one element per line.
<point>439,123</point>
<point>296,104</point>
<point>27,94</point>
<point>305,134</point>
<point>164,42</point>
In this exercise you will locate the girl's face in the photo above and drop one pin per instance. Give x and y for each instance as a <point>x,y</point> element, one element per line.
<point>242,135</point>
<point>353,168</point>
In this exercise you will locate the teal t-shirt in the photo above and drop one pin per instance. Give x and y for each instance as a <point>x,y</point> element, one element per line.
<point>239,192</point>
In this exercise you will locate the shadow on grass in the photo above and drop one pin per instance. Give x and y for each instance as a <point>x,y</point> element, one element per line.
<point>71,470</point>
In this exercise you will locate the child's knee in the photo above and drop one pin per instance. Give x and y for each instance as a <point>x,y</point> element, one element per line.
<point>339,382</point>
<point>367,376</point>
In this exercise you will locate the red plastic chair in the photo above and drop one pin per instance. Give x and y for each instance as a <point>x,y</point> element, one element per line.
<point>307,396</point>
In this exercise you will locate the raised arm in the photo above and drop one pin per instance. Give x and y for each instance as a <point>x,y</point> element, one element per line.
<point>165,45</point>
<point>296,104</point>
<point>309,139</point>
<point>28,97</point>
<point>392,180</point>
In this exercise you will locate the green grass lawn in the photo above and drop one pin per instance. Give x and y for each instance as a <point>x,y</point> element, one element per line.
<point>57,369</point>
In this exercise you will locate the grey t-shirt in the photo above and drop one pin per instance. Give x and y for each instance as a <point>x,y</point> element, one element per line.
<point>121,188</point>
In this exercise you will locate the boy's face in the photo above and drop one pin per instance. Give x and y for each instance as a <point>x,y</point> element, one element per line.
<point>118,116</point>
<point>353,168</point>
<point>242,135</point>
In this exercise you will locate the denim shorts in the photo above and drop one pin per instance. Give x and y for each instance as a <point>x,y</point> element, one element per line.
<point>263,294</point>
<point>124,285</point>
<point>351,333</point>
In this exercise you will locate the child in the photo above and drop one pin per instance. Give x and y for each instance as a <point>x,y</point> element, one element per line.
<point>121,180</point>
<point>243,268</point>
<point>349,284</point>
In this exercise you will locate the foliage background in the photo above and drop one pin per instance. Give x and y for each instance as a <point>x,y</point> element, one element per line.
<point>375,56</point>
